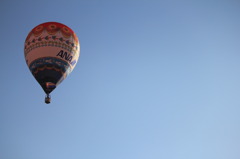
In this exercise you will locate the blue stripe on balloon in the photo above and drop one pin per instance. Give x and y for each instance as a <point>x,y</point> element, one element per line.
<point>38,63</point>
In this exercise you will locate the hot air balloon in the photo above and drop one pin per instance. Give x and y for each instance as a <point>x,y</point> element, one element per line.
<point>51,52</point>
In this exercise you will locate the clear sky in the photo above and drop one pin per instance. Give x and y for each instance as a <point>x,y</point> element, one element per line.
<point>156,79</point>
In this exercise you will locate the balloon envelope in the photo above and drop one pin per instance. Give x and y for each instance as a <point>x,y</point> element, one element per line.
<point>51,53</point>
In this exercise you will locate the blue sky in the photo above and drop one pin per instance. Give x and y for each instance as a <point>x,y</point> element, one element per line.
<point>155,79</point>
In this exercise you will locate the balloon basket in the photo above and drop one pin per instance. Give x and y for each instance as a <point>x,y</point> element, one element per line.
<point>47,99</point>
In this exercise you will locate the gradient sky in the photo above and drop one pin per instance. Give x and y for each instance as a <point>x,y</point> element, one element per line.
<point>156,79</point>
